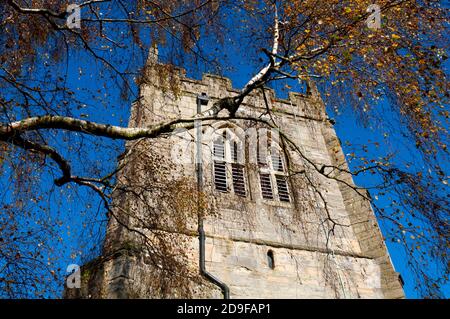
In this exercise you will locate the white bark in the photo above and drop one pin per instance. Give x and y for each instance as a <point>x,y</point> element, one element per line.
<point>77,125</point>
<point>265,70</point>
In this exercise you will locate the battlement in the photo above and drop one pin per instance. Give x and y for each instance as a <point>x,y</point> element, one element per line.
<point>303,105</point>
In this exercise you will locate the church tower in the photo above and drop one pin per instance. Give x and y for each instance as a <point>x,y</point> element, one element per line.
<point>235,208</point>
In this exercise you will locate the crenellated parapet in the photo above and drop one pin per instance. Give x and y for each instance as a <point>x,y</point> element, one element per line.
<point>180,93</point>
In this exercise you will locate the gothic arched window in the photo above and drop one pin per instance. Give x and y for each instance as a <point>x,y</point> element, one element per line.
<point>229,171</point>
<point>272,170</point>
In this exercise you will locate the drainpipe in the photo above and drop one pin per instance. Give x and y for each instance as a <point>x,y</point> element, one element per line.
<point>203,100</point>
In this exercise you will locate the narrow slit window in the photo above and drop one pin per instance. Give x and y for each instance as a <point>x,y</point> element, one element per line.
<point>270,259</point>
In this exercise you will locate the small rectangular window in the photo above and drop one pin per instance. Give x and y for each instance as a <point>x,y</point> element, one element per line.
<point>270,259</point>
<point>238,179</point>
<point>266,186</point>
<point>283,193</point>
<point>220,176</point>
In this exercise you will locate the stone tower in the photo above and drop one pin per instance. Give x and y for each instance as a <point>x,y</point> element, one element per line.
<point>274,226</point>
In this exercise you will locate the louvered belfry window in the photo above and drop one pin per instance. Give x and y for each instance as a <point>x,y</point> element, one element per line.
<point>266,185</point>
<point>283,192</point>
<point>272,171</point>
<point>238,179</point>
<point>227,166</point>
<point>220,170</point>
